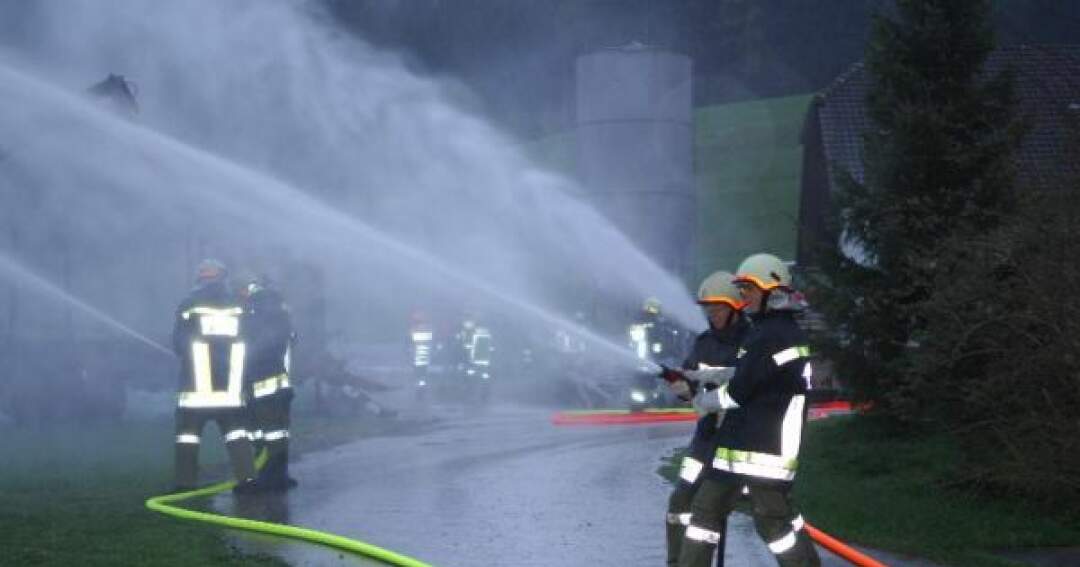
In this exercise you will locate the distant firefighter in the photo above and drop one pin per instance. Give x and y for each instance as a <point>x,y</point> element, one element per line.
<point>208,338</point>
<point>269,332</point>
<point>422,347</point>
<point>653,338</point>
<point>476,349</point>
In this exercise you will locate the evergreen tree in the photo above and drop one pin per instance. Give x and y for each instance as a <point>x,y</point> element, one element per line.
<point>937,162</point>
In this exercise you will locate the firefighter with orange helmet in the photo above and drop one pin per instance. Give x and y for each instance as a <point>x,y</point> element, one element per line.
<point>715,348</point>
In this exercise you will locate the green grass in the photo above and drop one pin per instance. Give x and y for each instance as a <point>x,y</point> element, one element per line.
<point>862,484</point>
<point>865,486</point>
<point>74,495</point>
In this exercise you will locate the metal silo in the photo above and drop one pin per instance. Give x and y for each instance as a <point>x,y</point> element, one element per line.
<point>635,147</point>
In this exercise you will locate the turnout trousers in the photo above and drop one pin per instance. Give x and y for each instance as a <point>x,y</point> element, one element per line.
<point>691,477</point>
<point>775,519</point>
<point>232,422</point>
<point>270,416</point>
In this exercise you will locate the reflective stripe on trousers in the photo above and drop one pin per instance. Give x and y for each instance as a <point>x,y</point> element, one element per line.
<point>786,543</point>
<point>695,533</point>
<point>690,469</point>
<point>678,519</point>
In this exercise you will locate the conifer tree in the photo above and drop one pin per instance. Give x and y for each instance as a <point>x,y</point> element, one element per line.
<point>937,162</point>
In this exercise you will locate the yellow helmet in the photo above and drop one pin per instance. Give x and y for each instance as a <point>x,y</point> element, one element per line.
<point>651,305</point>
<point>719,287</point>
<point>765,271</point>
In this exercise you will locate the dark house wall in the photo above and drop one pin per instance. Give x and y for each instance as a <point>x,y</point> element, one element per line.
<point>814,194</point>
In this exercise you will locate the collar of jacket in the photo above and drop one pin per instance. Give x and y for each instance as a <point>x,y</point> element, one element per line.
<point>769,314</point>
<point>732,331</point>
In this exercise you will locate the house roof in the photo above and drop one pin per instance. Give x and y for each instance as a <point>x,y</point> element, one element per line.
<point>1047,86</point>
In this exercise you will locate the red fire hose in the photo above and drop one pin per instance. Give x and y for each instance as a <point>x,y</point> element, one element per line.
<point>626,417</point>
<point>854,556</point>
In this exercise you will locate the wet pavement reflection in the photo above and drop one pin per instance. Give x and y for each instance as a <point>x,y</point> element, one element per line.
<point>501,488</point>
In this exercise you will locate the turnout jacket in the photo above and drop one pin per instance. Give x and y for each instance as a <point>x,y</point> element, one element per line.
<point>269,332</point>
<point>714,347</point>
<point>760,436</point>
<point>208,339</point>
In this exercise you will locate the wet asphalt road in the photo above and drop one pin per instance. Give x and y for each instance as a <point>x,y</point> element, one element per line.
<point>503,488</point>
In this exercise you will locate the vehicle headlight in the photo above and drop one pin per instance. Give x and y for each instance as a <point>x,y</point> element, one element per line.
<point>638,396</point>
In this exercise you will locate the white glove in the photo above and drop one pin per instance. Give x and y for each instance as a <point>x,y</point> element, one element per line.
<point>717,375</point>
<point>681,389</point>
<point>707,402</point>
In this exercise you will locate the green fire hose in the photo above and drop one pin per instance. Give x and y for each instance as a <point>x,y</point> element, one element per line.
<point>164,504</point>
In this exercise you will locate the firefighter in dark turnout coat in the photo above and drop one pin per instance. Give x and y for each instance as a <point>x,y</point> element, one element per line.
<point>716,347</point>
<point>270,334</point>
<point>208,338</point>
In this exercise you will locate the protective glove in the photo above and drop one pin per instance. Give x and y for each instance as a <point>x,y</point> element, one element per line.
<point>677,383</point>
<point>671,375</point>
<point>681,389</point>
<point>717,376</point>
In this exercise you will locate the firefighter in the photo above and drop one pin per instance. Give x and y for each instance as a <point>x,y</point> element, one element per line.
<point>269,330</point>
<point>208,338</point>
<point>422,343</point>
<point>476,348</point>
<point>758,440</point>
<point>716,347</point>
<point>652,337</point>
<point>655,341</point>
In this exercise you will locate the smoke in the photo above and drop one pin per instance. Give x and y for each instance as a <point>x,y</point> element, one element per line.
<point>269,138</point>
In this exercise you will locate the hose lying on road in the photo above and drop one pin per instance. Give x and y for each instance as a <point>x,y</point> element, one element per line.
<point>616,417</point>
<point>164,504</point>
<point>842,549</point>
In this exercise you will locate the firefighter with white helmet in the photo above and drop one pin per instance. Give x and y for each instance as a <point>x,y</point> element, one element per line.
<point>269,330</point>
<point>208,338</point>
<point>759,438</point>
<point>715,348</point>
